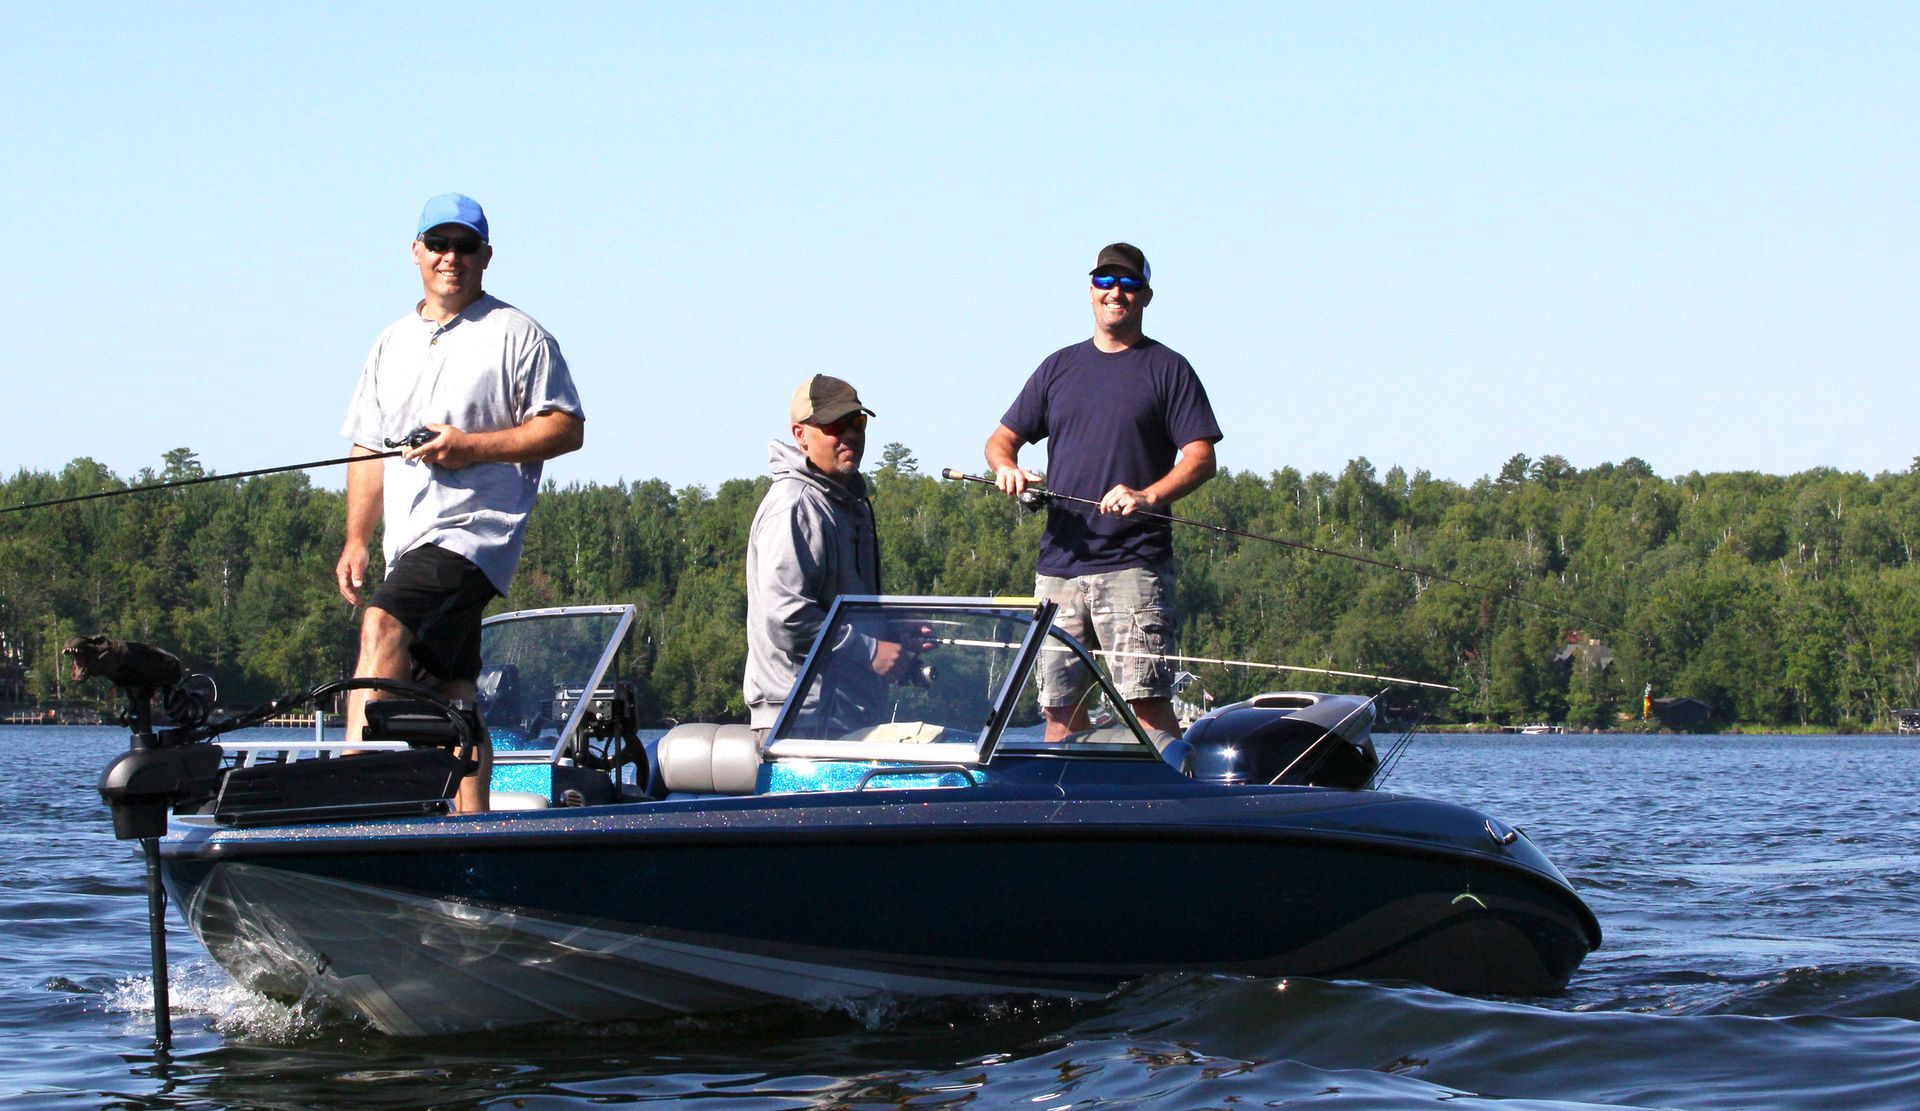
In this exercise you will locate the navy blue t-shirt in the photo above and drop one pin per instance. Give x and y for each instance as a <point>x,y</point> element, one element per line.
<point>1110,419</point>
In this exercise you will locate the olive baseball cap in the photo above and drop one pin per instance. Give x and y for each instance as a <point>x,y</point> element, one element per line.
<point>1123,258</point>
<point>823,399</point>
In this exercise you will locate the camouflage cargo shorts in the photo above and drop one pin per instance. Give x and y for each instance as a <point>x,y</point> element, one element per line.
<point>1128,611</point>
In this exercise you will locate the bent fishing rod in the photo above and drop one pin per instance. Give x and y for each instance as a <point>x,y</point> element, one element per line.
<point>412,439</point>
<point>1037,496</point>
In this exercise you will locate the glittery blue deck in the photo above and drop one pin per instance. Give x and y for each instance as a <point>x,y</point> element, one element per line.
<point>512,740</point>
<point>796,776</point>
<point>535,779</point>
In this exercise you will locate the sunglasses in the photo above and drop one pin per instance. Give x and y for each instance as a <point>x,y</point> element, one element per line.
<point>852,422</point>
<point>1127,285</point>
<point>458,244</point>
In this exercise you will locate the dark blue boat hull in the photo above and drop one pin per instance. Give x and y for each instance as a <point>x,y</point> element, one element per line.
<point>1057,877</point>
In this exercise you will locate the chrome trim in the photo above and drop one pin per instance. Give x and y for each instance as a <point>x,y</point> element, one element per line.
<point>918,769</point>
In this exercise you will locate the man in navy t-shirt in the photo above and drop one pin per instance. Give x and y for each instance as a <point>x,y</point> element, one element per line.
<point>1129,426</point>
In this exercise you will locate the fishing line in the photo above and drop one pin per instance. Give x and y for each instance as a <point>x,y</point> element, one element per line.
<point>1398,749</point>
<point>1330,731</point>
<point>1038,496</point>
<point>399,446</point>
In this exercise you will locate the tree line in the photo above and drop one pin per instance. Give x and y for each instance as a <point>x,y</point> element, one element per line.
<point>1546,592</point>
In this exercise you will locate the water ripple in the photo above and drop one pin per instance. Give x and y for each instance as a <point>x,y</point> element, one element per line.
<point>1759,953</point>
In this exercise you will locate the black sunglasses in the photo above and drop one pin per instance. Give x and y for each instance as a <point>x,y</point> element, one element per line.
<point>1108,281</point>
<point>458,244</point>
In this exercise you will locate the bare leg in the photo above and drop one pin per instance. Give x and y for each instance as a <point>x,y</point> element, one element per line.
<point>385,653</point>
<point>1062,720</point>
<point>1156,713</point>
<point>384,645</point>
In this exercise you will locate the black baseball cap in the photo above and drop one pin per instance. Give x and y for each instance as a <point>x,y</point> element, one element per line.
<point>1123,258</point>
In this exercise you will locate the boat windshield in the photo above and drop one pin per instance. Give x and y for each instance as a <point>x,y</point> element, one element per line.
<point>932,680</point>
<point>536,666</point>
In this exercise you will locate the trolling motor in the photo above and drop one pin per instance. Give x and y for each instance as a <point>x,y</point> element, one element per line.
<point>179,766</point>
<point>158,771</point>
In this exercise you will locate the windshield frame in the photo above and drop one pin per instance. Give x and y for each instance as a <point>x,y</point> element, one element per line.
<point>596,678</point>
<point>1036,613</point>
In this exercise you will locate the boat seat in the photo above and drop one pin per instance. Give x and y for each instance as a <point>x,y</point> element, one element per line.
<point>516,800</point>
<point>706,759</point>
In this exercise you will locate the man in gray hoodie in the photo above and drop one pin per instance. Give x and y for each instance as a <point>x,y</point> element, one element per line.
<point>812,540</point>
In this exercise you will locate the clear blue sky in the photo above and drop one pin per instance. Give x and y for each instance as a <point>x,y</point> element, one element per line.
<point>1432,235</point>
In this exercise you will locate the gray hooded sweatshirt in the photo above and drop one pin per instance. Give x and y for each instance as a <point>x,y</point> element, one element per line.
<point>812,541</point>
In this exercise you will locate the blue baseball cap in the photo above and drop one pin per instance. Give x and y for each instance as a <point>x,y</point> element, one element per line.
<point>453,208</point>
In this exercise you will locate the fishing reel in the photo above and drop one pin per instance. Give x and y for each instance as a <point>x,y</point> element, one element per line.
<point>419,437</point>
<point>915,639</point>
<point>1033,497</point>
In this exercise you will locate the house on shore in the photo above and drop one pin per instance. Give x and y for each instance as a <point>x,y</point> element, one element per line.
<point>1681,713</point>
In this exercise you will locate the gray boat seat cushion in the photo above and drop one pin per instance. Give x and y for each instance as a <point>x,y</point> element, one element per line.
<point>516,800</point>
<point>707,759</point>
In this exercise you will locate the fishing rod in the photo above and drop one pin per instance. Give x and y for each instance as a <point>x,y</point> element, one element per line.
<point>1036,496</point>
<point>399,447</point>
<point>1171,658</point>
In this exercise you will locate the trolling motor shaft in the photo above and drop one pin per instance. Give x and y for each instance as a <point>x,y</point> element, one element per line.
<point>158,772</point>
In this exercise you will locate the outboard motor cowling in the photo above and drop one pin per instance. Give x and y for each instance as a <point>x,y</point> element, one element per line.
<point>1296,737</point>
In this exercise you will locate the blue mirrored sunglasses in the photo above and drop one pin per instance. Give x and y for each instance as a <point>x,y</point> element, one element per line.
<point>1108,281</point>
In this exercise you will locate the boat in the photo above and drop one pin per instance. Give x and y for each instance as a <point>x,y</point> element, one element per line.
<point>912,839</point>
<point>1534,728</point>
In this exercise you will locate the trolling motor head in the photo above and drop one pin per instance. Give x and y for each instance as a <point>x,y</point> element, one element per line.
<point>158,771</point>
<point>126,664</point>
<point>142,671</point>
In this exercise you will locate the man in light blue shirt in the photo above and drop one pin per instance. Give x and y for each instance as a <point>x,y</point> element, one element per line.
<point>491,387</point>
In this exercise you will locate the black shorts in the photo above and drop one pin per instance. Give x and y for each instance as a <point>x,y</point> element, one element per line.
<point>439,596</point>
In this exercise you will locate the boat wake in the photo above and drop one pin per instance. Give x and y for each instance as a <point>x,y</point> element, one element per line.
<point>201,990</point>
<point>1801,1038</point>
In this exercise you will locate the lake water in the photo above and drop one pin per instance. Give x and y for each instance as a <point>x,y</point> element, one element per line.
<point>1759,897</point>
